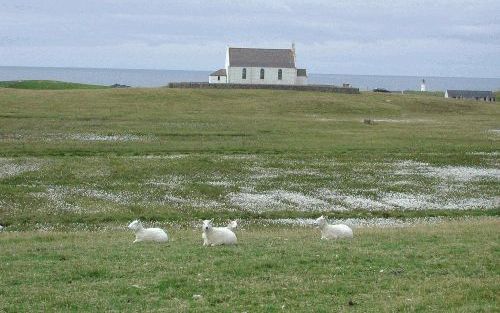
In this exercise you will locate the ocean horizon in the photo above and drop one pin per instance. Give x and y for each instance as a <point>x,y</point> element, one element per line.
<point>159,78</point>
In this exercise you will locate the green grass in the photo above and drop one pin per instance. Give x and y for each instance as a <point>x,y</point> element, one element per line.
<point>46,85</point>
<point>448,267</point>
<point>95,156</point>
<point>77,165</point>
<point>243,121</point>
<point>427,93</point>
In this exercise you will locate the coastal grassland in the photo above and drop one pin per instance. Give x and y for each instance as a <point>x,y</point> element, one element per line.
<point>159,121</point>
<point>427,93</point>
<point>446,267</point>
<point>108,156</point>
<point>46,85</point>
<point>77,165</point>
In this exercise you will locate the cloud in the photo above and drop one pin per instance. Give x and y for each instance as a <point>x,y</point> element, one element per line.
<point>350,36</point>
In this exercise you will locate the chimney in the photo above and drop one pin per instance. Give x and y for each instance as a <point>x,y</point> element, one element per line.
<point>293,53</point>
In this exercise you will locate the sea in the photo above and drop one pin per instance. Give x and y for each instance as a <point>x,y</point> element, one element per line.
<point>158,78</point>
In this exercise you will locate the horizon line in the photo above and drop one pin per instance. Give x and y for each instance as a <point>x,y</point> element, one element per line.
<point>187,70</point>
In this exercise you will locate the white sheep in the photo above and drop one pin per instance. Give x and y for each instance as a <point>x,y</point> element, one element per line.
<point>147,234</point>
<point>1,227</point>
<point>214,236</point>
<point>333,231</point>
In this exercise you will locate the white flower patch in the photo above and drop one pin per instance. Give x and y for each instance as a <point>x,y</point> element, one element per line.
<point>169,199</point>
<point>7,204</point>
<point>96,137</point>
<point>203,203</point>
<point>304,202</point>
<point>50,137</point>
<point>494,153</point>
<point>58,196</point>
<point>160,157</point>
<point>407,201</point>
<point>12,137</point>
<point>400,183</point>
<point>388,222</point>
<point>472,203</point>
<point>172,199</point>
<point>239,157</point>
<point>259,173</point>
<point>9,168</point>
<point>326,119</point>
<point>458,173</point>
<point>437,202</point>
<point>220,183</point>
<point>360,202</point>
<point>277,199</point>
<point>120,197</point>
<point>254,201</point>
<point>264,173</point>
<point>172,181</point>
<point>462,173</point>
<point>304,222</point>
<point>352,201</point>
<point>359,222</point>
<point>304,172</point>
<point>406,121</point>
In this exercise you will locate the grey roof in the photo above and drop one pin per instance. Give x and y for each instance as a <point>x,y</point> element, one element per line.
<point>301,72</point>
<point>469,93</point>
<point>253,57</point>
<point>221,72</point>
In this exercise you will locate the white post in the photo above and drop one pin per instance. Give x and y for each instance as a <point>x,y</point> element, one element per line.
<point>423,88</point>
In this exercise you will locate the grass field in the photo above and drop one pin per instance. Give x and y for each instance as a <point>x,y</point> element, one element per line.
<point>97,156</point>
<point>450,267</point>
<point>46,85</point>
<point>77,165</point>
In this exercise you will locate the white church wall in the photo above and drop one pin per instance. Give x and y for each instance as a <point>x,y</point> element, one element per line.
<point>289,76</point>
<point>217,79</point>
<point>301,80</point>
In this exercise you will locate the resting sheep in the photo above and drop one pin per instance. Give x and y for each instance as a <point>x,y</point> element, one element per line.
<point>214,236</point>
<point>147,234</point>
<point>333,231</point>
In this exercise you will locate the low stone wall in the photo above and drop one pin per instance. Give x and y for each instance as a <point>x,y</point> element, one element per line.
<point>320,88</point>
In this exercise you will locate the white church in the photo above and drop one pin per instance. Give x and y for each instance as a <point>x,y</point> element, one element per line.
<point>259,67</point>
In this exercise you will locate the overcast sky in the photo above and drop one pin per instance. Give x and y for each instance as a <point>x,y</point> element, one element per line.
<point>391,37</point>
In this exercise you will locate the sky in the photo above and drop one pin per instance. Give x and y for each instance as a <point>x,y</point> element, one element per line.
<point>380,37</point>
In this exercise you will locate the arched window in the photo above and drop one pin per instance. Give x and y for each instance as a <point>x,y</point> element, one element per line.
<point>261,73</point>
<point>244,74</point>
<point>280,74</point>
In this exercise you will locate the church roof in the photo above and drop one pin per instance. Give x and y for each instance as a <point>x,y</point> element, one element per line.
<point>469,93</point>
<point>252,57</point>
<point>221,72</point>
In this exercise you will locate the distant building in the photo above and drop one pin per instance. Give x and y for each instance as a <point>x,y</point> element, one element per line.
<point>260,66</point>
<point>218,77</point>
<point>470,94</point>
<point>422,86</point>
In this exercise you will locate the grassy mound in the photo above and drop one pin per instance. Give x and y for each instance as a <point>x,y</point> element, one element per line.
<point>46,85</point>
